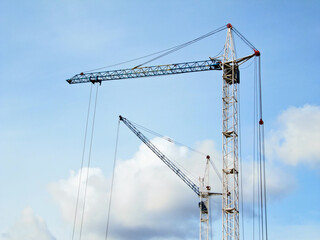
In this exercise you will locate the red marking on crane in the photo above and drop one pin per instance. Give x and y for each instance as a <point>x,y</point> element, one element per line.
<point>229,25</point>
<point>256,52</point>
<point>261,122</point>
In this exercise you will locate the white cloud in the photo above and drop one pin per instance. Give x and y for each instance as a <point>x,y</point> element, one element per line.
<point>279,183</point>
<point>297,137</point>
<point>29,226</point>
<point>149,200</point>
<point>65,192</point>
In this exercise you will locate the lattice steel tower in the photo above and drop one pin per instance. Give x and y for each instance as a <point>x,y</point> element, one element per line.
<point>230,184</point>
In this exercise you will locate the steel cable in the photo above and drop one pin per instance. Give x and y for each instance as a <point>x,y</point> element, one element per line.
<point>254,147</point>
<point>165,51</point>
<point>82,161</point>
<point>243,38</point>
<point>112,180</point>
<point>263,154</point>
<point>240,160</point>
<point>174,49</point>
<point>89,162</point>
<point>178,143</point>
<point>167,138</point>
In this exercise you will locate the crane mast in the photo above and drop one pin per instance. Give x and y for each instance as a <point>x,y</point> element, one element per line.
<point>230,170</point>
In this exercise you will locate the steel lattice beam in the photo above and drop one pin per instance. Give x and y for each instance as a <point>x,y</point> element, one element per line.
<point>151,71</point>
<point>164,158</point>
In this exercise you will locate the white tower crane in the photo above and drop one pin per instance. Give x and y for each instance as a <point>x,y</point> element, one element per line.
<point>231,78</point>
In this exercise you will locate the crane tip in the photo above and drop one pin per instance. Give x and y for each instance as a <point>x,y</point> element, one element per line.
<point>256,52</point>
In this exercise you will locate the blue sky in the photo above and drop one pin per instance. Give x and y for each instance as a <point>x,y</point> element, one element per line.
<point>43,118</point>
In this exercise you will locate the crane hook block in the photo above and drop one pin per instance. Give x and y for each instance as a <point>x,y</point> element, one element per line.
<point>229,25</point>
<point>208,157</point>
<point>261,122</point>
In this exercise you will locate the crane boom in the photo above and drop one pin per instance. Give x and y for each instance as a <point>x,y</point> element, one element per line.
<point>150,71</point>
<point>166,160</point>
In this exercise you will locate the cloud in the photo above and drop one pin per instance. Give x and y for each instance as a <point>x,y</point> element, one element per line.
<point>65,192</point>
<point>29,226</point>
<point>279,182</point>
<point>149,200</point>
<point>297,137</point>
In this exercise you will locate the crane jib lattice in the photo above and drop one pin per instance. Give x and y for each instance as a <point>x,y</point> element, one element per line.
<point>138,72</point>
<point>166,160</point>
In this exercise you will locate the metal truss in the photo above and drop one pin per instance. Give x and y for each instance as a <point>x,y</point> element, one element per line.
<point>150,71</point>
<point>230,184</point>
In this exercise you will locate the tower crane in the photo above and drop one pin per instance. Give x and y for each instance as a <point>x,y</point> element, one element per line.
<point>229,64</point>
<point>204,191</point>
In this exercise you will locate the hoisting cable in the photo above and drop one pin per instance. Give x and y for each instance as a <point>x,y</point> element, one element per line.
<point>261,172</point>
<point>178,143</point>
<point>259,156</point>
<point>82,161</point>
<point>254,147</point>
<point>89,162</point>
<point>240,160</point>
<point>174,49</point>
<point>112,180</point>
<point>261,128</point>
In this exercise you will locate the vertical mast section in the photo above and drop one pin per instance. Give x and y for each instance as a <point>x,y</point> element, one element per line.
<point>230,185</point>
<point>204,203</point>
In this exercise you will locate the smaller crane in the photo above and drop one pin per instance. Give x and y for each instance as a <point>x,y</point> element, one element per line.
<point>203,191</point>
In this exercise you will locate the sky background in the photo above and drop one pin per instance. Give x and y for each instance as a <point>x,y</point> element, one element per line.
<point>42,118</point>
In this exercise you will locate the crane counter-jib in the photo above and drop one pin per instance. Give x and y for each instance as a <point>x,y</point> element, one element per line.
<point>149,71</point>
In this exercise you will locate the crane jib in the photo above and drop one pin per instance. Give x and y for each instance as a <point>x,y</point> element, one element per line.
<point>166,160</point>
<point>150,71</point>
